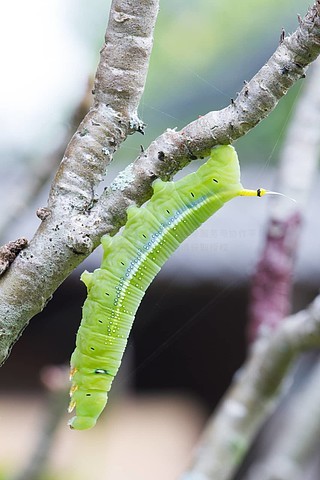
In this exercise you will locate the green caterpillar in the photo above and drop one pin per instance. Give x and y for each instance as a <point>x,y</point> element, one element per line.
<point>130,262</point>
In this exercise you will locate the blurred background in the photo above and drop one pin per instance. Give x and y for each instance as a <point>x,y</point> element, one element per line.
<point>189,336</point>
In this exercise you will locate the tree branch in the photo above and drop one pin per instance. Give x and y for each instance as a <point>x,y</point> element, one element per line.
<point>119,84</point>
<point>54,379</point>
<point>272,282</point>
<point>252,396</point>
<point>75,220</point>
<point>62,240</point>
<point>173,150</point>
<point>298,439</point>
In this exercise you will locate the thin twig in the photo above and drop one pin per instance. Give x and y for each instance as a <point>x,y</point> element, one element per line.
<point>55,380</point>
<point>298,439</point>
<point>252,396</point>
<point>9,252</point>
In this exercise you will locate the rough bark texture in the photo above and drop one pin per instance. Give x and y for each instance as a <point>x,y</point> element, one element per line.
<point>9,252</point>
<point>76,220</point>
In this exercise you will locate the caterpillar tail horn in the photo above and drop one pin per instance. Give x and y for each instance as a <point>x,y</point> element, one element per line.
<point>261,192</point>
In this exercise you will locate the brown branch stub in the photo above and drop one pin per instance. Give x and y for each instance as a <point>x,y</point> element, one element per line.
<point>282,36</point>
<point>9,252</point>
<point>43,213</point>
<point>272,283</point>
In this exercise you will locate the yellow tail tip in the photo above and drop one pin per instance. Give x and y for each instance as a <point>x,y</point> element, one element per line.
<point>260,192</point>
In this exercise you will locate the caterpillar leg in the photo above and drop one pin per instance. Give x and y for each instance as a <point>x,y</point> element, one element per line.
<point>88,392</point>
<point>88,406</point>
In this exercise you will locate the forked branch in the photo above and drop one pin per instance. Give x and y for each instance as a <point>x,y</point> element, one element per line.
<point>76,220</point>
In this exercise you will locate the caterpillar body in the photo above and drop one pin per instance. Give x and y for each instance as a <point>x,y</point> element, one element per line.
<point>130,262</point>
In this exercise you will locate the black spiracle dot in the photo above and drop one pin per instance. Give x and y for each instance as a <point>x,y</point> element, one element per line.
<point>144,235</point>
<point>122,263</point>
<point>91,348</point>
<point>168,211</point>
<point>100,321</point>
<point>192,194</point>
<point>107,294</point>
<point>215,180</point>
<point>88,394</point>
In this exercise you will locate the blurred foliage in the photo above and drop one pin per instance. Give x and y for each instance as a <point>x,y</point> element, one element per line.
<point>89,20</point>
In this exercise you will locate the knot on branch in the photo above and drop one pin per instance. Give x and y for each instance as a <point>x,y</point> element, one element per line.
<point>9,252</point>
<point>136,125</point>
<point>80,243</point>
<point>120,17</point>
<point>43,213</point>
